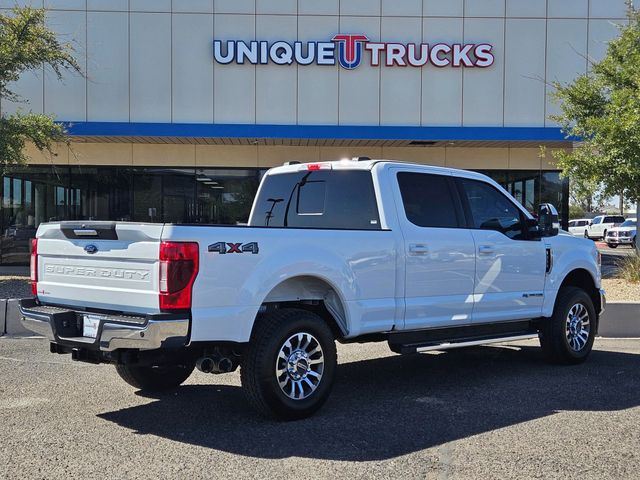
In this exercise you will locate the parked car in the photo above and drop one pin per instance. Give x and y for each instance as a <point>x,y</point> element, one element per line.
<point>599,226</point>
<point>577,226</point>
<point>424,258</point>
<point>625,234</point>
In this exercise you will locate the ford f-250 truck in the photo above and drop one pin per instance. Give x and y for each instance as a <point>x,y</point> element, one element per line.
<point>424,258</point>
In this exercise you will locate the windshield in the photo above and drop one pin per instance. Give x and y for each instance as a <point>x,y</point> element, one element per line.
<point>629,223</point>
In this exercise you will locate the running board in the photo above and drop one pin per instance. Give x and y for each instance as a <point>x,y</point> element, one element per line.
<point>471,343</point>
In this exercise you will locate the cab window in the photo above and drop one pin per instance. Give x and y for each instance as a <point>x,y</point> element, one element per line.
<point>596,221</point>
<point>427,200</point>
<point>492,210</point>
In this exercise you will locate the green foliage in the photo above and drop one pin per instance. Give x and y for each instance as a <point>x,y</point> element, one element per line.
<point>26,43</point>
<point>603,108</point>
<point>576,211</point>
<point>630,268</point>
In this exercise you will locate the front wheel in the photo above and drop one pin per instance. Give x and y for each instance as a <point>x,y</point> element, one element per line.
<point>604,235</point>
<point>155,379</point>
<point>586,234</point>
<point>290,365</point>
<point>567,337</point>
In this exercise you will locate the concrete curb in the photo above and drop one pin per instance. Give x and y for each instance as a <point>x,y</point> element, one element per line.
<point>3,317</point>
<point>13,325</point>
<point>620,320</point>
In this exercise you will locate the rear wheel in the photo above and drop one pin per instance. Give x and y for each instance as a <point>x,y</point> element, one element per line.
<point>289,368</point>
<point>567,337</point>
<point>155,379</point>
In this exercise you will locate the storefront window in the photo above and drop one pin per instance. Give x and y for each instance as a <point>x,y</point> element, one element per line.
<point>36,194</point>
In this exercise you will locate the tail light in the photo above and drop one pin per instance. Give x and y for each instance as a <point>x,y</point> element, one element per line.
<point>33,267</point>
<point>178,270</point>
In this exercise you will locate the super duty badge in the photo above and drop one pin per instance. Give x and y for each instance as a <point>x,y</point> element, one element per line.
<point>226,247</point>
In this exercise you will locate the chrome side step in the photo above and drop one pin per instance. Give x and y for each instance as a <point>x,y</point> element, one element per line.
<point>471,343</point>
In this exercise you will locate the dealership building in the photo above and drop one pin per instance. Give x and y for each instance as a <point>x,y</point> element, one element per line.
<point>185,104</point>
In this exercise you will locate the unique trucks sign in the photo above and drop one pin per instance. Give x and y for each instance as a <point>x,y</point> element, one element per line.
<point>348,50</point>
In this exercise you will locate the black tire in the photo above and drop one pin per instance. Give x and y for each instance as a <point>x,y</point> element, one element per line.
<point>154,379</point>
<point>586,234</point>
<point>554,334</point>
<point>612,245</point>
<point>258,373</point>
<point>604,235</point>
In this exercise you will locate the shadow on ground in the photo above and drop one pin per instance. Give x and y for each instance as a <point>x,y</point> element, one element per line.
<point>384,408</point>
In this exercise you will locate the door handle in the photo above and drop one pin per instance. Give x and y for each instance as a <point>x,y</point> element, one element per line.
<point>485,249</point>
<point>418,249</point>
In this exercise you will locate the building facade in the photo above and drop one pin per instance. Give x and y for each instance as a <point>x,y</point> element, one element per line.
<point>185,103</point>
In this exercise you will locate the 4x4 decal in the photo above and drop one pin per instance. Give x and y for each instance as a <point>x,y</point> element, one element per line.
<point>226,247</point>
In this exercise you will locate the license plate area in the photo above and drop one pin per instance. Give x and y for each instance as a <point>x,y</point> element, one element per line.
<point>90,325</point>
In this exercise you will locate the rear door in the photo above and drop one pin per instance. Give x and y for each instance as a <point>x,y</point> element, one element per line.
<point>510,267</point>
<point>100,265</point>
<point>438,250</point>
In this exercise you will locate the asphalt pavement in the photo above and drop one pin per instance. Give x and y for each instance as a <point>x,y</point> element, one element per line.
<point>486,412</point>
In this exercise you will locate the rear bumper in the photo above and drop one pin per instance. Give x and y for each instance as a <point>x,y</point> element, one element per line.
<point>603,301</point>
<point>64,327</point>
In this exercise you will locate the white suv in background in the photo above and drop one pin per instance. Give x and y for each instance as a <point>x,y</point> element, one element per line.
<point>601,224</point>
<point>625,234</point>
<point>577,226</point>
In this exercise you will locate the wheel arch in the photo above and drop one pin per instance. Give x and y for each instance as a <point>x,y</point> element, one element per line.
<point>312,293</point>
<point>582,278</point>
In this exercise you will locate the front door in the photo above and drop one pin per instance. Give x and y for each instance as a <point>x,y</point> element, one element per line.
<point>439,252</point>
<point>510,267</point>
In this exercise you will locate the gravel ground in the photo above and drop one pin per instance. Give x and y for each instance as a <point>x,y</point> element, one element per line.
<point>14,286</point>
<point>619,290</point>
<point>487,412</point>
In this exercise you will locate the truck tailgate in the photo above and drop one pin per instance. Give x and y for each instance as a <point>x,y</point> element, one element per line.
<point>100,265</point>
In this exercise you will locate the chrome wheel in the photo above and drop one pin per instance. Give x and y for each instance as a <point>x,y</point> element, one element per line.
<point>299,366</point>
<point>577,327</point>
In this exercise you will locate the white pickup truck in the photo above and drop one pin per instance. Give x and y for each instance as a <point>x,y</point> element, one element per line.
<point>424,258</point>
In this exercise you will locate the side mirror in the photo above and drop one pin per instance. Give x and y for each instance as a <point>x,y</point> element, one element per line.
<point>548,220</point>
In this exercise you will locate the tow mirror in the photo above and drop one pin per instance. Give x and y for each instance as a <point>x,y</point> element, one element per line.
<point>548,220</point>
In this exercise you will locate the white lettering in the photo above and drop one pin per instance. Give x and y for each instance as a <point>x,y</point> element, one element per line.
<point>217,52</point>
<point>250,52</point>
<point>461,55</point>
<point>395,54</point>
<point>484,57</point>
<point>375,49</point>
<point>281,53</point>
<point>326,52</point>
<point>311,53</point>
<point>435,57</point>
<point>417,61</point>
<point>264,53</point>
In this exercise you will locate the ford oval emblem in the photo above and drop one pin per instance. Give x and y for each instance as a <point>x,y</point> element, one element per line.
<point>91,249</point>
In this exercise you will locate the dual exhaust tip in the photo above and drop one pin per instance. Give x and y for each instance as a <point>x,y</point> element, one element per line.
<point>215,364</point>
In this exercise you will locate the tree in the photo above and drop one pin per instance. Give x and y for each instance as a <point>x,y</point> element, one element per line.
<point>602,109</point>
<point>26,43</point>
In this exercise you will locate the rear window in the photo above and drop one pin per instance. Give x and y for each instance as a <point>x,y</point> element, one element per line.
<point>343,199</point>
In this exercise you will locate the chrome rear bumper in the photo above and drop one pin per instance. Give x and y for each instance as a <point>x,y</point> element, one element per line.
<point>64,327</point>
<point>603,301</point>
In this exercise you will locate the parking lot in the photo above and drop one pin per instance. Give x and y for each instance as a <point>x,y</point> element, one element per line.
<point>487,412</point>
